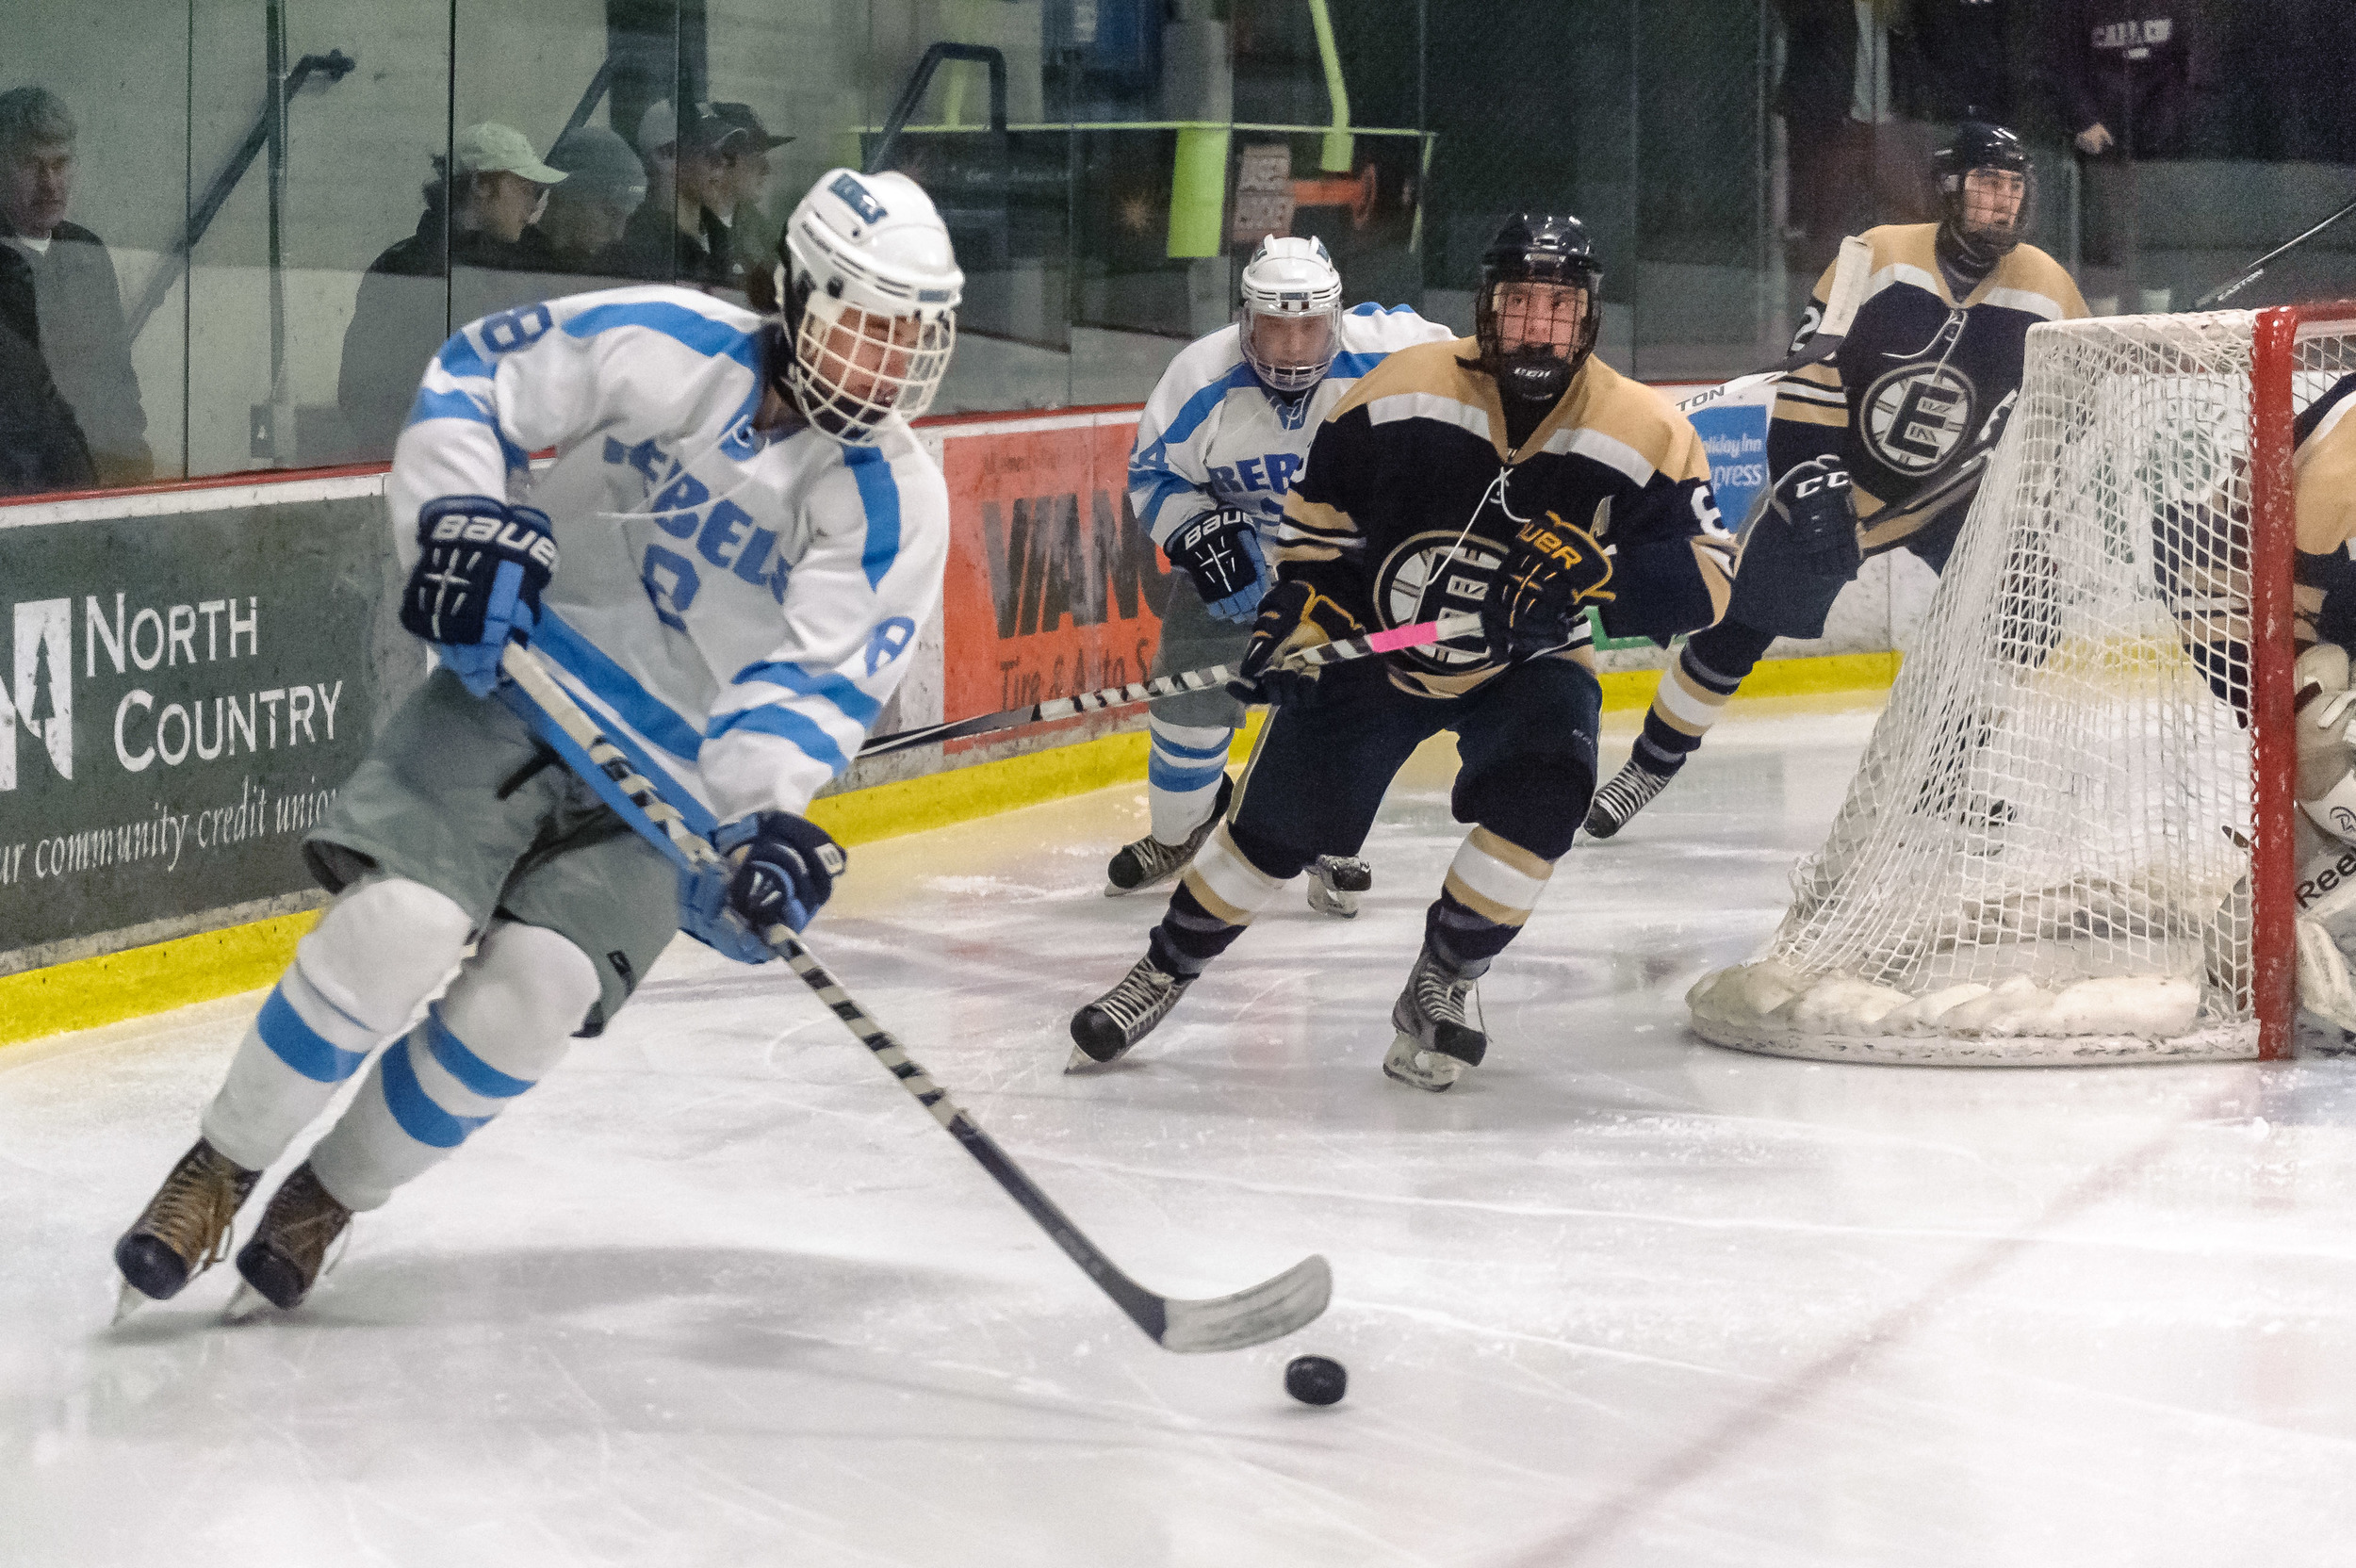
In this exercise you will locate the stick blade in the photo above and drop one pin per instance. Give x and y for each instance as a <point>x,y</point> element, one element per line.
<point>1270,1310</point>
<point>1851,271</point>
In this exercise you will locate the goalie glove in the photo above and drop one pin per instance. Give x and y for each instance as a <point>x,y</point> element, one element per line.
<point>1550,572</point>
<point>477,582</point>
<point>1293,615</point>
<point>776,867</point>
<point>1816,505</point>
<point>2327,788</point>
<point>1220,551</point>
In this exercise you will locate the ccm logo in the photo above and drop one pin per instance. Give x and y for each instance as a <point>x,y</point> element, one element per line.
<point>1837,481</point>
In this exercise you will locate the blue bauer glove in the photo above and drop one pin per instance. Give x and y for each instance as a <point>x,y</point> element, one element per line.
<point>478,582</point>
<point>780,866</point>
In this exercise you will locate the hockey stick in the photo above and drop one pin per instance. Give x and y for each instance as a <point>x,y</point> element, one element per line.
<point>1419,635</point>
<point>2257,268</point>
<point>1267,1311</point>
<point>1850,273</point>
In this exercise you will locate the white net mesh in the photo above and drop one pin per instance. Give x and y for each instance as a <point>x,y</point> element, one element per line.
<point>2044,855</point>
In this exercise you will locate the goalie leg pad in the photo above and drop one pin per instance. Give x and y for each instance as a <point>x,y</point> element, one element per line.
<point>508,1019</point>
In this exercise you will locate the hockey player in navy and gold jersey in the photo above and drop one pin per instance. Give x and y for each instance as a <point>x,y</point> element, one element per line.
<point>1513,476</point>
<point>1929,370</point>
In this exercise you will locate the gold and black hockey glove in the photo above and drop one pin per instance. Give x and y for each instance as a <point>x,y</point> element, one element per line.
<point>1292,616</point>
<point>1551,571</point>
<point>1815,503</point>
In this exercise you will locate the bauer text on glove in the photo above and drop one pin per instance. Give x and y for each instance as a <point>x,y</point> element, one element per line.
<point>1551,572</point>
<point>478,581</point>
<point>1220,551</point>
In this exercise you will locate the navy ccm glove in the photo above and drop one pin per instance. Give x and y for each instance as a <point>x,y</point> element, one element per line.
<point>1816,504</point>
<point>1220,551</point>
<point>478,582</point>
<point>780,866</point>
<point>1551,572</point>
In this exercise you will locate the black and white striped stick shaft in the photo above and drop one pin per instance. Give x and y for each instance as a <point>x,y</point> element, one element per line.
<point>1339,652</point>
<point>1267,1311</point>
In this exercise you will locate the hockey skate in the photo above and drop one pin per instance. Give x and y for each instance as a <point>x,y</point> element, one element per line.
<point>1150,861</point>
<point>289,1250</point>
<point>1334,883</point>
<point>1108,1026</point>
<point>1434,1042</point>
<point>1630,791</point>
<point>183,1229</point>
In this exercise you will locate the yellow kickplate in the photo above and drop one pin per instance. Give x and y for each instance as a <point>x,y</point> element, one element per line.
<point>91,991</point>
<point>139,980</point>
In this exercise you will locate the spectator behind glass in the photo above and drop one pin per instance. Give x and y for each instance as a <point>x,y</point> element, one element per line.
<point>76,300</point>
<point>675,237</point>
<point>402,311</point>
<point>604,184</point>
<point>2128,70</point>
<point>740,182</point>
<point>41,446</point>
<point>1845,156</point>
<point>1951,63</point>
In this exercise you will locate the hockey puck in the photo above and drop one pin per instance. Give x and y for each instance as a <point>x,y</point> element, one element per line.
<point>1316,1379</point>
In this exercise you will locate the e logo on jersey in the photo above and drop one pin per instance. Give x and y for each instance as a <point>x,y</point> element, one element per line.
<point>1431,575</point>
<point>1916,415</point>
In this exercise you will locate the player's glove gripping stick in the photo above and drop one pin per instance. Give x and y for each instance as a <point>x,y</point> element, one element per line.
<point>1267,1311</point>
<point>1851,271</point>
<point>1422,634</point>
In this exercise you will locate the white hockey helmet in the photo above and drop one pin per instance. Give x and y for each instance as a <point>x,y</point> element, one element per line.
<point>1290,280</point>
<point>868,284</point>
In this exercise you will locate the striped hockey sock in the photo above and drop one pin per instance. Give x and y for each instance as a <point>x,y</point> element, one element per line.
<point>1181,776</point>
<point>1491,887</point>
<point>1693,692</point>
<point>1216,900</point>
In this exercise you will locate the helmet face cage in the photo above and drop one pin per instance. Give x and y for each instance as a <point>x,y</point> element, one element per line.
<point>1976,237</point>
<point>853,368</point>
<point>1301,367</point>
<point>868,287</point>
<point>1980,148</point>
<point>1290,280</point>
<point>1537,369</point>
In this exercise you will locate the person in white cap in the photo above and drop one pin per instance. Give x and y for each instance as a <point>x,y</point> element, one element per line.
<point>727,563</point>
<point>476,206</point>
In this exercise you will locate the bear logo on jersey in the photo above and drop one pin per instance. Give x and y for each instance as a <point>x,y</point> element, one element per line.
<point>1916,415</point>
<point>1434,574</point>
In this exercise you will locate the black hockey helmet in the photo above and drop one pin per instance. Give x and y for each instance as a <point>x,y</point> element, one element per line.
<point>1533,247</point>
<point>1982,144</point>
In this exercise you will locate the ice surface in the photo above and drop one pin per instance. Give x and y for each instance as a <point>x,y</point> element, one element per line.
<point>715,1293</point>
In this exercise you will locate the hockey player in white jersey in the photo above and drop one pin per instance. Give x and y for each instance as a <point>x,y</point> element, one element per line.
<point>1227,428</point>
<point>727,565</point>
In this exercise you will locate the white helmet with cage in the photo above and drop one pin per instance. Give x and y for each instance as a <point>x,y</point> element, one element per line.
<point>1290,280</point>
<point>868,287</point>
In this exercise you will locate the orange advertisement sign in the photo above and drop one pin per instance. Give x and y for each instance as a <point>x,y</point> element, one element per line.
<point>1053,585</point>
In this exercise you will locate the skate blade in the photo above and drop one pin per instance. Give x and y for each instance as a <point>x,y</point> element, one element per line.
<point>1341,906</point>
<point>1081,1062</point>
<point>247,1305</point>
<point>129,1298</point>
<point>1409,1063</point>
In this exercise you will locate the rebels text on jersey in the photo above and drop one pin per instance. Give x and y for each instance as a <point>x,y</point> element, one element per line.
<point>734,608</point>
<point>1212,436</point>
<point>1918,376</point>
<point>1378,521</point>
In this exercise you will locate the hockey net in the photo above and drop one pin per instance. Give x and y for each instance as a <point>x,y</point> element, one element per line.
<point>2069,838</point>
